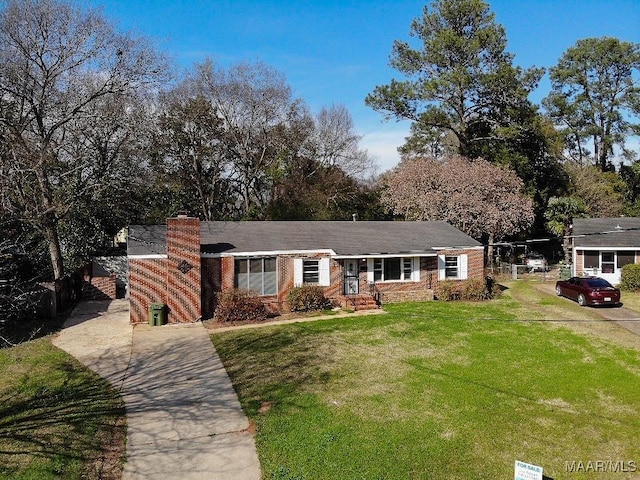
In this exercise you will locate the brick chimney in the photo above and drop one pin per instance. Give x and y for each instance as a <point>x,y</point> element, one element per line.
<point>183,269</point>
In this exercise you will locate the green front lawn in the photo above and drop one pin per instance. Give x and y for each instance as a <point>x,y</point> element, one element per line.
<point>57,418</point>
<point>441,391</point>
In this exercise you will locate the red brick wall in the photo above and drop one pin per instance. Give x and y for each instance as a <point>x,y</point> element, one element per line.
<point>285,283</point>
<point>147,284</point>
<point>183,270</point>
<point>286,274</point>
<point>398,291</point>
<point>227,273</point>
<point>174,281</point>
<point>425,295</point>
<point>99,288</point>
<point>336,276</point>
<point>278,303</point>
<point>475,263</point>
<point>391,291</point>
<point>579,265</point>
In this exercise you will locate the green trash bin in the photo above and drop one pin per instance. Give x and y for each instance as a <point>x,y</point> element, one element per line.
<point>156,314</point>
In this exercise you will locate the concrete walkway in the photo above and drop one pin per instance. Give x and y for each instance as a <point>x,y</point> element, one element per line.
<point>183,417</point>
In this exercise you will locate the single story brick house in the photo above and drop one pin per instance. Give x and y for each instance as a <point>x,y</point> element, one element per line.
<point>602,246</point>
<point>185,263</point>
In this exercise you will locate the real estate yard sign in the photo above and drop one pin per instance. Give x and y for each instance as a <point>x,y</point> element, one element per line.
<point>526,471</point>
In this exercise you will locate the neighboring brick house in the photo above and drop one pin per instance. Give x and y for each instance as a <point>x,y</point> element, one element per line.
<point>185,263</point>
<point>104,278</point>
<point>602,246</point>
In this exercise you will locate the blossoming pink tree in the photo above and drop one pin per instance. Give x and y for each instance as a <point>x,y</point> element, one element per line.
<point>482,199</point>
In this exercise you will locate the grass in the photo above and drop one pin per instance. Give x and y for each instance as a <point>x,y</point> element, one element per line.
<point>57,419</point>
<point>440,390</point>
<point>631,299</point>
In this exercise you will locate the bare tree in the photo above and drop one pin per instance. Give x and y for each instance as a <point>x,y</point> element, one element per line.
<point>482,199</point>
<point>235,137</point>
<point>335,143</point>
<point>58,62</point>
<point>256,108</point>
<point>190,150</point>
<point>109,147</point>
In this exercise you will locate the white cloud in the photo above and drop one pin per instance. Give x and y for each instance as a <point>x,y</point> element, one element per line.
<point>382,143</point>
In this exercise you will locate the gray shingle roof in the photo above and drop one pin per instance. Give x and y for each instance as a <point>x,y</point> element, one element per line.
<point>147,240</point>
<point>607,232</point>
<point>344,238</point>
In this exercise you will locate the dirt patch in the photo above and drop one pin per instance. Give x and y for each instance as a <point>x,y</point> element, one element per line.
<point>289,318</point>
<point>215,324</point>
<point>109,464</point>
<point>252,429</point>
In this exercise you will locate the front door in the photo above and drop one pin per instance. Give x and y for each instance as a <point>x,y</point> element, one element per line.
<point>351,277</point>
<point>608,267</point>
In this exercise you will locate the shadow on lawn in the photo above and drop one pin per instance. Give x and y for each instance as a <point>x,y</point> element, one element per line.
<point>60,425</point>
<point>275,366</point>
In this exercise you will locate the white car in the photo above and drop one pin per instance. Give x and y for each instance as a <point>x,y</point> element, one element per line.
<point>537,263</point>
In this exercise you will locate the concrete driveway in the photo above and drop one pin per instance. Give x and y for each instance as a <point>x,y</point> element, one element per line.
<point>622,316</point>
<point>183,416</point>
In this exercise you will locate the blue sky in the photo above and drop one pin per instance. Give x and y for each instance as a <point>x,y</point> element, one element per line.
<point>337,51</point>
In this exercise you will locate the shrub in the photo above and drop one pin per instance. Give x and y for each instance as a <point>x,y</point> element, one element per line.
<point>474,289</point>
<point>630,279</point>
<point>239,306</point>
<point>307,298</point>
<point>448,290</point>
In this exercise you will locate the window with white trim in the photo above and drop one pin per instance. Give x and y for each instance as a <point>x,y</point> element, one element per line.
<point>394,269</point>
<point>311,271</point>
<point>257,275</point>
<point>452,267</point>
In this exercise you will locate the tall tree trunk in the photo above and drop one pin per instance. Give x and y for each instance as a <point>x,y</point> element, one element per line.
<point>49,222</point>
<point>50,226</point>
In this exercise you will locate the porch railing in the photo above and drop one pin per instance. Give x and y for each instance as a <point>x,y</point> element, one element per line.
<point>375,293</point>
